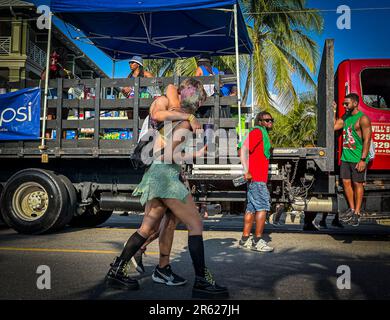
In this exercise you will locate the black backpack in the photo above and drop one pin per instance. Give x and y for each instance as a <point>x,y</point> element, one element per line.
<point>143,142</point>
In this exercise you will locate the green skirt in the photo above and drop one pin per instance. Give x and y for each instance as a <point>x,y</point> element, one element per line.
<point>161,181</point>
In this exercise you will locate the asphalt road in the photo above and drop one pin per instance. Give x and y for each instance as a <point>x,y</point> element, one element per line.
<point>303,265</point>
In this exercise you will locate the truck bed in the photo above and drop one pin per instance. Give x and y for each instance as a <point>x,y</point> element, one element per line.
<point>96,147</point>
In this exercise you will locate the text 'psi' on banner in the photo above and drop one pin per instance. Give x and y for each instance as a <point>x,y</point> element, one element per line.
<point>20,114</point>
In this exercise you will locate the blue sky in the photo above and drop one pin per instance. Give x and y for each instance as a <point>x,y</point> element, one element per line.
<point>369,36</point>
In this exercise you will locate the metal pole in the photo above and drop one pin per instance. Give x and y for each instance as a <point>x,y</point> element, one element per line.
<point>253,89</point>
<point>43,146</point>
<point>113,75</point>
<point>238,72</point>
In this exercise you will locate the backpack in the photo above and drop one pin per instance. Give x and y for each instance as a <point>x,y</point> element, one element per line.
<point>146,140</point>
<point>146,137</point>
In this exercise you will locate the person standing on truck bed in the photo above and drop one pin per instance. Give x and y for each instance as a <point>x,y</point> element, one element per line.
<point>205,69</point>
<point>255,153</point>
<point>160,189</point>
<point>136,64</point>
<point>56,71</point>
<point>355,155</point>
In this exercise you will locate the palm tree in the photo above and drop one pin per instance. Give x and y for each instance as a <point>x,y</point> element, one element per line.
<point>281,47</point>
<point>298,128</point>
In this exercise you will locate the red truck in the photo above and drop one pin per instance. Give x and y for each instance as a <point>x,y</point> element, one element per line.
<point>370,79</point>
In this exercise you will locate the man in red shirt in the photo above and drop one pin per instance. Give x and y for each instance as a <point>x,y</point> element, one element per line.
<point>255,154</point>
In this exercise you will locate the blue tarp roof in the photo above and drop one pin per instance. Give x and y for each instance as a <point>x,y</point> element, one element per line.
<point>155,28</point>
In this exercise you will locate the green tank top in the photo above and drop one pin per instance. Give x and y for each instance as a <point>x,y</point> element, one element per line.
<point>352,143</point>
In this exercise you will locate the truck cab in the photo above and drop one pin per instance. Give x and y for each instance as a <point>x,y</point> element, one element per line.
<point>370,79</point>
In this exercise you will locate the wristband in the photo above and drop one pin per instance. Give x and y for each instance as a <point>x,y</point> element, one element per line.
<point>191,118</point>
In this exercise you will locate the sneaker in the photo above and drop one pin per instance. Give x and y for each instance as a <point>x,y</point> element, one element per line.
<point>137,261</point>
<point>206,288</point>
<point>261,246</point>
<point>337,224</point>
<point>247,244</point>
<point>355,220</point>
<point>118,277</point>
<point>167,276</point>
<point>346,215</point>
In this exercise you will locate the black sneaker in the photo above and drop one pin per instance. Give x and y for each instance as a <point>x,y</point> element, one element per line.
<point>167,276</point>
<point>117,277</point>
<point>346,215</point>
<point>206,288</point>
<point>355,220</point>
<point>137,261</point>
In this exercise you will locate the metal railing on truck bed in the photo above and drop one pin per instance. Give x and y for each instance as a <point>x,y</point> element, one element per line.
<point>96,145</point>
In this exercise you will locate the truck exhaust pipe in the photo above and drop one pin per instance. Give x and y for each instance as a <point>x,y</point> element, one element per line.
<point>314,204</point>
<point>119,202</point>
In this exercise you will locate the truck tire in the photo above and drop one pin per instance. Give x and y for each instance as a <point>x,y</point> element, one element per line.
<point>90,219</point>
<point>33,200</point>
<point>64,219</point>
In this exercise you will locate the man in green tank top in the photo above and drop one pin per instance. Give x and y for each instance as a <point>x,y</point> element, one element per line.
<point>355,155</point>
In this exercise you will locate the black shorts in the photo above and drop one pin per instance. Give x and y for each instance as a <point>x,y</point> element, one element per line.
<point>348,171</point>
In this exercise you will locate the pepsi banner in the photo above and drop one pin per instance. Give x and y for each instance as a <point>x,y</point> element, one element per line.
<point>20,114</point>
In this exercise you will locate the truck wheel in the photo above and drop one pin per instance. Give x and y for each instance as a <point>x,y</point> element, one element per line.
<point>33,200</point>
<point>91,219</point>
<point>64,219</point>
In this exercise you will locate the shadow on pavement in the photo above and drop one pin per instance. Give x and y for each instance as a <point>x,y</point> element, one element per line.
<point>284,274</point>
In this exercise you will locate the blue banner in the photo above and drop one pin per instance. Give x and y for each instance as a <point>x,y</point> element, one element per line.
<point>20,114</point>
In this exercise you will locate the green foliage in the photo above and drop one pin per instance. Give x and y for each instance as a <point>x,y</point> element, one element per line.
<point>281,47</point>
<point>297,128</point>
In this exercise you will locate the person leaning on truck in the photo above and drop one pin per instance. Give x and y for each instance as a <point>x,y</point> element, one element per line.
<point>355,155</point>
<point>255,153</point>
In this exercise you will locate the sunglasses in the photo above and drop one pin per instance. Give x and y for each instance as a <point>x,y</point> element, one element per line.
<point>346,104</point>
<point>268,120</point>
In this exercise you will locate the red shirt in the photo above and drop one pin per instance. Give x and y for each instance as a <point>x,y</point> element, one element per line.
<point>258,163</point>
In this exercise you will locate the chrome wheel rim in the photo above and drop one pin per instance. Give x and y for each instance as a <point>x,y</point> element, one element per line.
<point>30,201</point>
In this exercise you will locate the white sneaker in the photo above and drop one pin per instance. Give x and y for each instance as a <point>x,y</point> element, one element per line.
<point>261,246</point>
<point>245,244</point>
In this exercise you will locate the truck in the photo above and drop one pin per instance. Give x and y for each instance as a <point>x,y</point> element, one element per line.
<point>80,180</point>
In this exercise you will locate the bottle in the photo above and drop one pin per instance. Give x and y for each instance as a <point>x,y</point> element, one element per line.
<point>239,181</point>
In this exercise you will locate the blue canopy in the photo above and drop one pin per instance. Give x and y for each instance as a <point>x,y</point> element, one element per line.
<point>155,28</point>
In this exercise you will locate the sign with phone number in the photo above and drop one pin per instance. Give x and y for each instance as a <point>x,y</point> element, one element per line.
<point>381,138</point>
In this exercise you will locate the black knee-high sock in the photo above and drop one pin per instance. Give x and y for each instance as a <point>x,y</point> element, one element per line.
<point>134,243</point>
<point>195,245</point>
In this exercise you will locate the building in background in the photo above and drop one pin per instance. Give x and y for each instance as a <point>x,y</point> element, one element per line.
<point>23,46</point>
